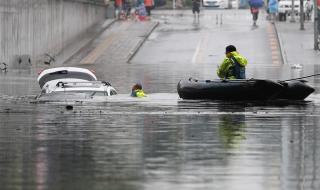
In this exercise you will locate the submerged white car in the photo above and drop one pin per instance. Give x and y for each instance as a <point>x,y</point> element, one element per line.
<point>72,82</point>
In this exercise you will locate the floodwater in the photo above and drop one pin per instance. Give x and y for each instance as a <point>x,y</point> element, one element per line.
<point>159,142</point>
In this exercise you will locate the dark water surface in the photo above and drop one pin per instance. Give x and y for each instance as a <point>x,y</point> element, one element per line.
<point>159,143</point>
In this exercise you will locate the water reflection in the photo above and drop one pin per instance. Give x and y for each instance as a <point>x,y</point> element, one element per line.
<point>184,145</point>
<point>300,155</point>
<point>232,130</point>
<point>18,82</point>
<point>232,127</point>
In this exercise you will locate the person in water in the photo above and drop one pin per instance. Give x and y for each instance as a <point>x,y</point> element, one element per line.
<point>137,91</point>
<point>233,65</point>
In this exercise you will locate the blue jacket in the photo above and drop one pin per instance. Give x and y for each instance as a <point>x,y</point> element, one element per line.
<point>273,6</point>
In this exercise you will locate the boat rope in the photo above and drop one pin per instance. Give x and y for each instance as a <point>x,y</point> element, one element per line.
<point>300,77</point>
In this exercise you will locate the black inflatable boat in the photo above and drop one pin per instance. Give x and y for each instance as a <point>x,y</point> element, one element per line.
<point>295,90</point>
<point>243,89</point>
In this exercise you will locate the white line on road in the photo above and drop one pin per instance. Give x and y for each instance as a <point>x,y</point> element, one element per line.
<point>201,46</point>
<point>194,58</point>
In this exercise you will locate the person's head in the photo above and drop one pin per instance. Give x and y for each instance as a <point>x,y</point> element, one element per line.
<point>137,87</point>
<point>230,48</point>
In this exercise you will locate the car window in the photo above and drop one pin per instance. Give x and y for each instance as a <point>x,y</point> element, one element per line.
<point>113,92</point>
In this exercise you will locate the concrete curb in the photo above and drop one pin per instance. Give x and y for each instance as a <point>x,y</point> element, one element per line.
<point>281,46</point>
<point>141,42</point>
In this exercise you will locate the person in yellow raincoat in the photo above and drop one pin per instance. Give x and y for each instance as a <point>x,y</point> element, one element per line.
<point>137,91</point>
<point>233,65</point>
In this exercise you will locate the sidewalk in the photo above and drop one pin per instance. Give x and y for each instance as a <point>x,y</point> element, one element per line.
<point>82,40</point>
<point>297,45</point>
<point>118,43</point>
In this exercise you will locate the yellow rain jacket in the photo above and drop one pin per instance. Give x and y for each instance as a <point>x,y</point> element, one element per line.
<point>138,93</point>
<point>225,70</point>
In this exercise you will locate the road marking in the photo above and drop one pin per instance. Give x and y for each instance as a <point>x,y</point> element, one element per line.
<point>101,47</point>
<point>96,52</point>
<point>274,45</point>
<point>196,53</point>
<point>273,42</point>
<point>201,46</point>
<point>274,48</point>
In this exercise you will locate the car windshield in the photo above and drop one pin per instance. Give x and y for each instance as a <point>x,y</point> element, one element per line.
<point>99,94</point>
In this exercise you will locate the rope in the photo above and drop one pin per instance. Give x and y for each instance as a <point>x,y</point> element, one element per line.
<point>196,80</point>
<point>300,77</point>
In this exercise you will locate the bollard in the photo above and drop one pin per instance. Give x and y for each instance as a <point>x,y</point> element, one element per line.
<point>220,19</point>
<point>217,19</point>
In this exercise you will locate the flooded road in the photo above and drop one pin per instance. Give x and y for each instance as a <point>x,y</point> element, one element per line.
<point>161,141</point>
<point>159,145</point>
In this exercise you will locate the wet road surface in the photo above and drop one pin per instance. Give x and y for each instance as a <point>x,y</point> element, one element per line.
<point>162,142</point>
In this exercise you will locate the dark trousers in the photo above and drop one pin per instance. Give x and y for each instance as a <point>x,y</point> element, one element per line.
<point>255,16</point>
<point>148,8</point>
<point>282,16</point>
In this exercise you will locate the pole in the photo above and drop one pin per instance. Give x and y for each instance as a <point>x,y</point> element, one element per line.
<point>301,15</point>
<point>292,11</point>
<point>316,25</point>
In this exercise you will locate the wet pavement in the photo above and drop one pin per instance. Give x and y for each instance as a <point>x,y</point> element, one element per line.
<point>298,50</point>
<point>161,141</point>
<point>118,43</point>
